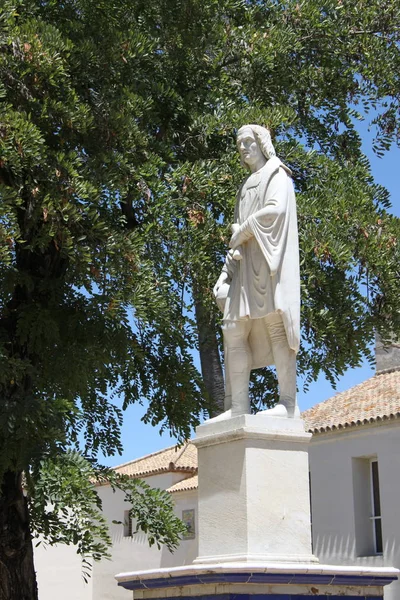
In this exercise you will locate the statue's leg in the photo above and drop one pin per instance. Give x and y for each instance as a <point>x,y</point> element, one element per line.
<point>238,365</point>
<point>285,363</point>
<point>237,368</point>
<point>228,392</point>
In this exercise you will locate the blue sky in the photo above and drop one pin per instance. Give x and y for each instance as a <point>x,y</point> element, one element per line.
<point>139,439</point>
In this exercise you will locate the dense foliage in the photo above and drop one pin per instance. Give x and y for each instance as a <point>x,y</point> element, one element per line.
<point>118,174</point>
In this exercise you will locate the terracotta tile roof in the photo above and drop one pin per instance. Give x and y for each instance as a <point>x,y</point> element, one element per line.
<point>191,483</point>
<point>175,458</point>
<point>376,399</point>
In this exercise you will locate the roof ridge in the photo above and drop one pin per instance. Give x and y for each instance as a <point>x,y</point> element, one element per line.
<point>181,453</point>
<point>389,370</point>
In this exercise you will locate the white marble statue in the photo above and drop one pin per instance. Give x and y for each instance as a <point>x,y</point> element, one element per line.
<point>259,287</point>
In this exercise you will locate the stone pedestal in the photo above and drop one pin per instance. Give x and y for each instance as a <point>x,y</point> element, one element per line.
<point>253,498</point>
<point>254,524</point>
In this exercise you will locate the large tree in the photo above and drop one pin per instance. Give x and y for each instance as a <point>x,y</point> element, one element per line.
<point>118,174</point>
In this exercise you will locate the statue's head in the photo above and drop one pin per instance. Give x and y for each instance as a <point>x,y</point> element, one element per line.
<point>254,145</point>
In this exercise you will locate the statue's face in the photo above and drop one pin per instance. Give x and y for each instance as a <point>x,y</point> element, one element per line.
<point>249,150</point>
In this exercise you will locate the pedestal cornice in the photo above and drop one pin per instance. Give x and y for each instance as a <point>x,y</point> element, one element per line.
<point>256,427</point>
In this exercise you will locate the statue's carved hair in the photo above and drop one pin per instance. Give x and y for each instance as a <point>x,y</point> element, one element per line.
<point>263,138</point>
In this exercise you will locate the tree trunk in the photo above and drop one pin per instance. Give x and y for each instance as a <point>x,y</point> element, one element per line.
<point>210,360</point>
<point>17,572</point>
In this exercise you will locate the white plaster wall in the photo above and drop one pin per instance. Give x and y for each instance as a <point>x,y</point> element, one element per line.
<point>332,494</point>
<point>59,574</point>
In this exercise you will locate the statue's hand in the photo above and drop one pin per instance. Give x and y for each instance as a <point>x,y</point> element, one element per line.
<point>223,278</point>
<point>240,235</point>
<point>235,240</point>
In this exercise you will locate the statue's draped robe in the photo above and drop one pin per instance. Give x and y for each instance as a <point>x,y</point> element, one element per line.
<point>267,279</point>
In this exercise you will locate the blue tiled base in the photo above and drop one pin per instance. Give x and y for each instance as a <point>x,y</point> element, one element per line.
<point>256,582</point>
<point>276,597</point>
<point>264,578</point>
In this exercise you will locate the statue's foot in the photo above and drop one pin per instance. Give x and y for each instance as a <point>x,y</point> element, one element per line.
<point>282,410</point>
<point>228,414</point>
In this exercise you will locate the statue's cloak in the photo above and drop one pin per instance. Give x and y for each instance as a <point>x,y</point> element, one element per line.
<point>267,279</point>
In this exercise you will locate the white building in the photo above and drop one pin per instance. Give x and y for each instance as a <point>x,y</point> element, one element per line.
<point>59,568</point>
<point>355,491</point>
<point>355,475</point>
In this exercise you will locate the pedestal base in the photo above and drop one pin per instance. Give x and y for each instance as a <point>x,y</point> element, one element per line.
<point>259,582</point>
<point>253,491</point>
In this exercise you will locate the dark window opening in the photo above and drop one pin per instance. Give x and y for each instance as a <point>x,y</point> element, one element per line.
<point>376,507</point>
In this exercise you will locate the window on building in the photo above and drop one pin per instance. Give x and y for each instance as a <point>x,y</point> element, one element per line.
<point>309,487</point>
<point>367,506</point>
<point>128,528</point>
<point>376,517</point>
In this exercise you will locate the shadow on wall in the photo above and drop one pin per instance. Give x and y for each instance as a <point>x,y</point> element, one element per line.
<point>334,548</point>
<point>337,549</point>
